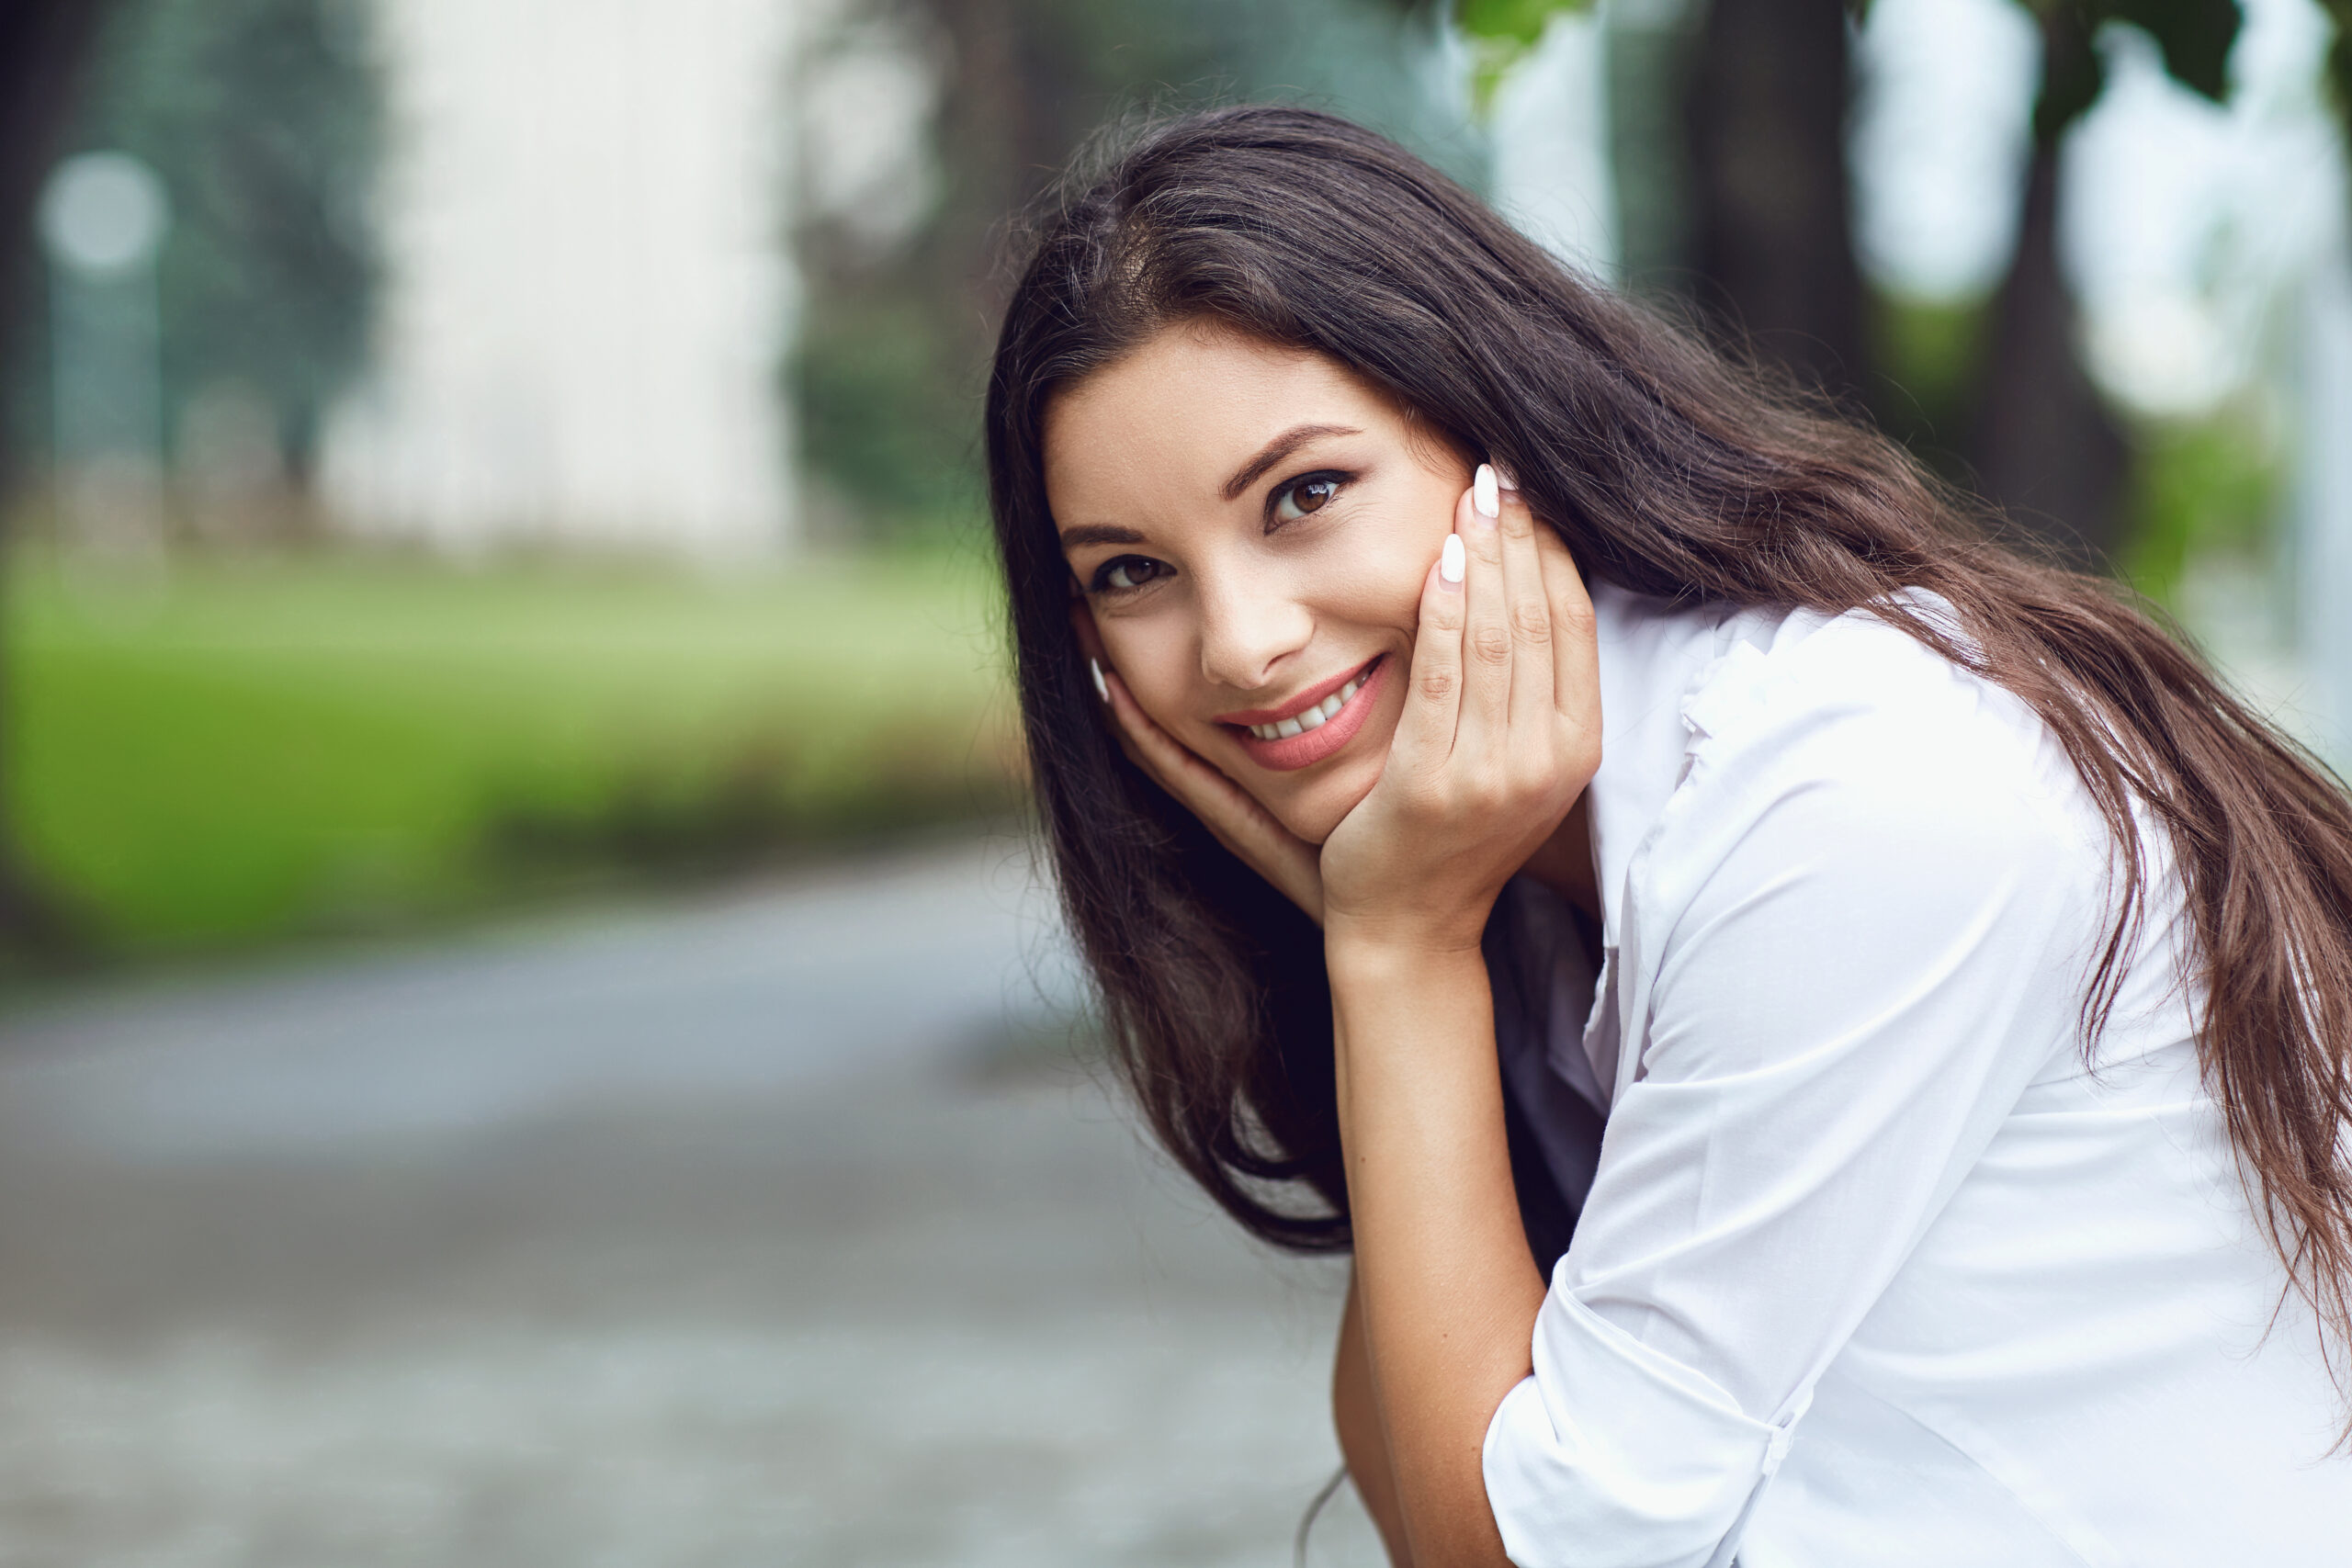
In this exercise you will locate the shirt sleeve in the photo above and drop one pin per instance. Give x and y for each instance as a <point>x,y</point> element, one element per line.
<point>1857,931</point>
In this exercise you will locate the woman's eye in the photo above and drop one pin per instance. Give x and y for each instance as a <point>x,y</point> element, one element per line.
<point>1126,573</point>
<point>1301,497</point>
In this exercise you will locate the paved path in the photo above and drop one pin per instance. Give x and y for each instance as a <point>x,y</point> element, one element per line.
<point>769,1229</point>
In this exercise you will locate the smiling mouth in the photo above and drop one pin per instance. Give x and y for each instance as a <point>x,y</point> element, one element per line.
<point>1320,725</point>
<point>1313,717</point>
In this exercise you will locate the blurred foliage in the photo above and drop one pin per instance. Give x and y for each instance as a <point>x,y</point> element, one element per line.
<point>1511,21</point>
<point>1927,358</point>
<point>262,118</point>
<point>2196,488</point>
<point>277,746</point>
<point>1500,33</point>
<point>888,374</point>
<point>882,416</point>
<point>2193,36</point>
<point>2214,486</point>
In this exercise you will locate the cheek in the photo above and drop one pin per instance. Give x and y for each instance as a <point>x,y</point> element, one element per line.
<point>1377,580</point>
<point>1151,658</point>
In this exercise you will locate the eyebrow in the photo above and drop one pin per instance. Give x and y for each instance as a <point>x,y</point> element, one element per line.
<point>1079,536</point>
<point>1275,451</point>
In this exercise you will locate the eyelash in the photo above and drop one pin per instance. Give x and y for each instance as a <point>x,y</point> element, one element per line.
<point>1101,583</point>
<point>1338,481</point>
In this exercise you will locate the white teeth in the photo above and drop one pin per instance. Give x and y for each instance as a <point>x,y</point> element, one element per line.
<point>1315,717</point>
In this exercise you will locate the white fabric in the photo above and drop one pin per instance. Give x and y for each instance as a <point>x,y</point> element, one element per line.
<point>1875,1269</point>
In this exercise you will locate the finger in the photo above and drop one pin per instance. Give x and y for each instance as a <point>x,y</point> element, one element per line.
<point>1232,814</point>
<point>1576,661</point>
<point>1177,769</point>
<point>1425,731</point>
<point>1182,772</point>
<point>1527,606</point>
<point>1486,638</point>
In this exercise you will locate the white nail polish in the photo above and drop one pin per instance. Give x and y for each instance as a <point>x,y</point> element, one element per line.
<point>1101,687</point>
<point>1483,496</point>
<point>1450,559</point>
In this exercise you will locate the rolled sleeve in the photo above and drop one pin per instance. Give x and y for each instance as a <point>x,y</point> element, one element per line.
<point>1612,1456</point>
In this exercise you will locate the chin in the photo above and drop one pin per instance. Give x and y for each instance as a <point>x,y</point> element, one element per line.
<point>1312,813</point>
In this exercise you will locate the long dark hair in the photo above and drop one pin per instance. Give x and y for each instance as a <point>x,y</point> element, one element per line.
<point>1671,470</point>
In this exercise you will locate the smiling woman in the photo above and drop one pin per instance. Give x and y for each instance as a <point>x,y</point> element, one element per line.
<point>1584,814</point>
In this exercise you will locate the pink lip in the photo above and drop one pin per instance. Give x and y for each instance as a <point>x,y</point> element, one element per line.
<point>1297,705</point>
<point>1311,746</point>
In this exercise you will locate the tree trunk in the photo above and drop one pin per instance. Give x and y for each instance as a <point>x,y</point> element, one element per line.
<point>2045,450</point>
<point>1766,110</point>
<point>2043,446</point>
<point>44,44</point>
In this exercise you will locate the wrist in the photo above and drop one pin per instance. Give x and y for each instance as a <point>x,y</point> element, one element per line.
<point>1381,951</point>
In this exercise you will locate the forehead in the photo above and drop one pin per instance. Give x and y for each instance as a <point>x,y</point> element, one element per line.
<point>1181,412</point>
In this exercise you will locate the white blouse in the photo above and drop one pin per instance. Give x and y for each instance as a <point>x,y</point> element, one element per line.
<point>1875,1268</point>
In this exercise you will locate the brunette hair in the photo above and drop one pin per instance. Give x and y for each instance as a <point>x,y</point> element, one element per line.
<point>1670,470</point>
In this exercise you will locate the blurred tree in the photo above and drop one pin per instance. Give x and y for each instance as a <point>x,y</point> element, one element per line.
<point>2339,59</point>
<point>1649,52</point>
<point>262,118</point>
<point>43,50</point>
<point>2044,446</point>
<point>1730,123</point>
<point>1764,107</point>
<point>1751,217</point>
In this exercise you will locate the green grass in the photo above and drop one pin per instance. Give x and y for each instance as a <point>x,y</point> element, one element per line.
<point>247,750</point>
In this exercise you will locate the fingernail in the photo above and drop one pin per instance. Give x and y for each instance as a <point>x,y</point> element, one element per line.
<point>1484,500</point>
<point>1450,559</point>
<point>1505,478</point>
<point>1101,687</point>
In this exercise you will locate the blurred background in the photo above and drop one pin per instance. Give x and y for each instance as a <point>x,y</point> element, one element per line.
<point>530,1030</point>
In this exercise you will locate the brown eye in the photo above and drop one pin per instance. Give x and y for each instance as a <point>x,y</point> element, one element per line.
<point>1126,573</point>
<point>1304,496</point>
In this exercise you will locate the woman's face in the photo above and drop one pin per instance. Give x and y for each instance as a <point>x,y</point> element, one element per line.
<point>1249,528</point>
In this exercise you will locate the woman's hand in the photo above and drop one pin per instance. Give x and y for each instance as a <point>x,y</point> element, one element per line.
<point>1228,811</point>
<point>1500,733</point>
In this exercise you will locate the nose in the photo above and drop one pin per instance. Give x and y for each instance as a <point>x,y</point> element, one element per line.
<point>1249,624</point>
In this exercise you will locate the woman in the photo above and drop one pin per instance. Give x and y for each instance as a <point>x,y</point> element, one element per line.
<point>1965,979</point>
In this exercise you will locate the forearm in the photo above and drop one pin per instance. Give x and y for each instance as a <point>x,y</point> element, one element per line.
<point>1355,1412</point>
<point>1448,1290</point>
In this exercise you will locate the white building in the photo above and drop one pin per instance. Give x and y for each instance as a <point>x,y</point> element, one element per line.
<point>588,292</point>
